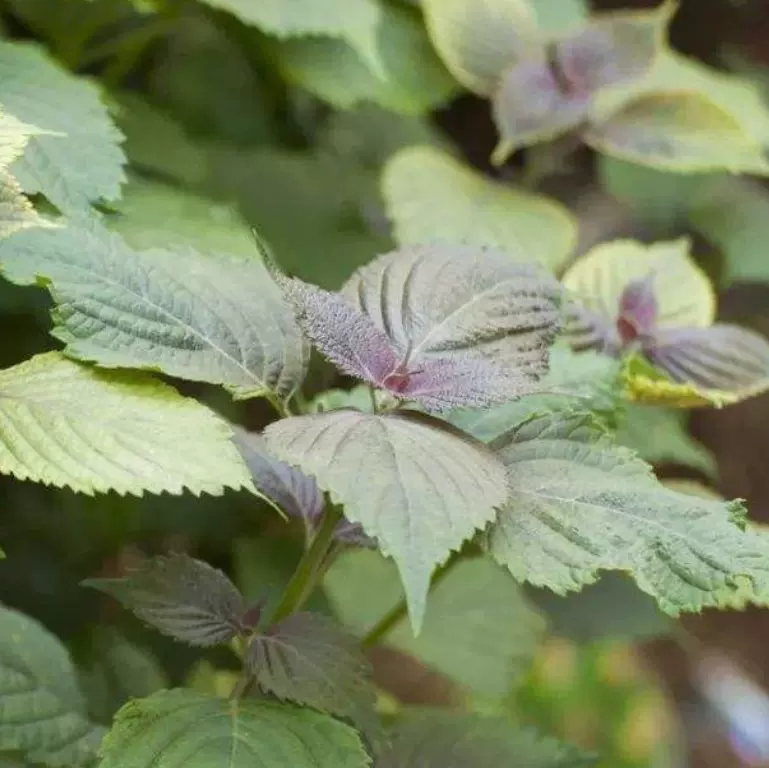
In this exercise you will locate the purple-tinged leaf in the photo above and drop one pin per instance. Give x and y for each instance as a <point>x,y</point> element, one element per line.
<point>441,739</point>
<point>637,310</point>
<point>309,660</point>
<point>418,486</point>
<point>353,533</point>
<point>295,493</point>
<point>532,104</point>
<point>588,329</point>
<point>615,49</point>
<point>722,357</point>
<point>181,597</point>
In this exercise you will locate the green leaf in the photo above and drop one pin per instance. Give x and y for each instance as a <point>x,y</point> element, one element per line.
<point>579,505</point>
<point>181,597</point>
<point>480,39</point>
<point>678,131</point>
<point>427,192</point>
<point>14,136</point>
<point>682,290</point>
<point>94,431</point>
<point>16,212</point>
<point>42,712</point>
<point>181,727</point>
<point>478,630</point>
<point>214,318</point>
<point>359,397</point>
<point>554,17</point>
<point>659,436</point>
<point>383,469</point>
<point>81,165</point>
<point>411,78</point>
<point>308,659</point>
<point>440,739</point>
<point>151,214</point>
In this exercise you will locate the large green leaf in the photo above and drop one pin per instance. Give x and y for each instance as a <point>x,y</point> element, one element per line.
<point>480,39</point>
<point>14,135</point>
<point>16,212</point>
<point>181,727</point>
<point>554,17</point>
<point>214,318</point>
<point>479,630</point>
<point>579,505</point>
<point>42,712</point>
<point>680,132</point>
<point>411,78</point>
<point>65,424</point>
<point>81,165</point>
<point>429,193</point>
<point>385,470</point>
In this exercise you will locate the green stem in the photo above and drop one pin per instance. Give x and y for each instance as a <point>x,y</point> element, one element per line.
<point>399,611</point>
<point>310,566</point>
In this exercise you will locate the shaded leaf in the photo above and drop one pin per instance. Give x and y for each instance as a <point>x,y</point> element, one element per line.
<point>678,131</point>
<point>94,431</point>
<point>440,739</point>
<point>183,727</point>
<point>308,659</point>
<point>214,318</point>
<point>42,712</point>
<point>579,505</point>
<point>480,39</point>
<point>427,192</point>
<point>478,630</point>
<point>382,469</point>
<point>181,597</point>
<point>83,162</point>
<point>410,79</point>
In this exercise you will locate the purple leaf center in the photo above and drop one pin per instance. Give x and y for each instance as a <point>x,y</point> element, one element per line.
<point>637,310</point>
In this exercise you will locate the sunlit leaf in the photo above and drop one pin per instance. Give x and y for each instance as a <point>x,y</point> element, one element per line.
<point>181,597</point>
<point>183,727</point>
<point>83,163</point>
<point>440,739</point>
<point>478,630</point>
<point>411,78</point>
<point>308,659</point>
<point>556,17</point>
<point>579,505</point>
<point>42,711</point>
<point>429,193</point>
<point>214,318</point>
<point>480,39</point>
<point>93,431</point>
<point>382,470</point>
<point>14,135</point>
<point>678,131</point>
<point>16,212</point>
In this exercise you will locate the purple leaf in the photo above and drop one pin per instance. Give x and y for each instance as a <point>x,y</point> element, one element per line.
<point>723,357</point>
<point>637,310</point>
<point>309,660</point>
<point>181,597</point>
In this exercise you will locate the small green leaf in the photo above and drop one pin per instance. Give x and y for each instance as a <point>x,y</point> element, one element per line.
<point>83,162</point>
<point>440,739</point>
<point>479,630</point>
<point>678,131</point>
<point>94,431</point>
<point>383,470</point>
<point>214,318</point>
<point>181,727</point>
<point>580,505</point>
<point>682,290</point>
<point>181,597</point>
<point>427,192</point>
<point>411,79</point>
<point>308,659</point>
<point>42,712</point>
<point>480,39</point>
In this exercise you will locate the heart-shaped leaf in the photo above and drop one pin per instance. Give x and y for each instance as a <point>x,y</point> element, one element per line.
<point>383,469</point>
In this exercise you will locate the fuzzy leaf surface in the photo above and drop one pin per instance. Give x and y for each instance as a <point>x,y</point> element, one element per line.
<point>83,162</point>
<point>428,191</point>
<point>42,711</point>
<point>383,469</point>
<point>181,597</point>
<point>16,212</point>
<point>213,318</point>
<point>579,505</point>
<point>68,425</point>
<point>181,727</point>
<point>308,659</point>
<point>14,135</point>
